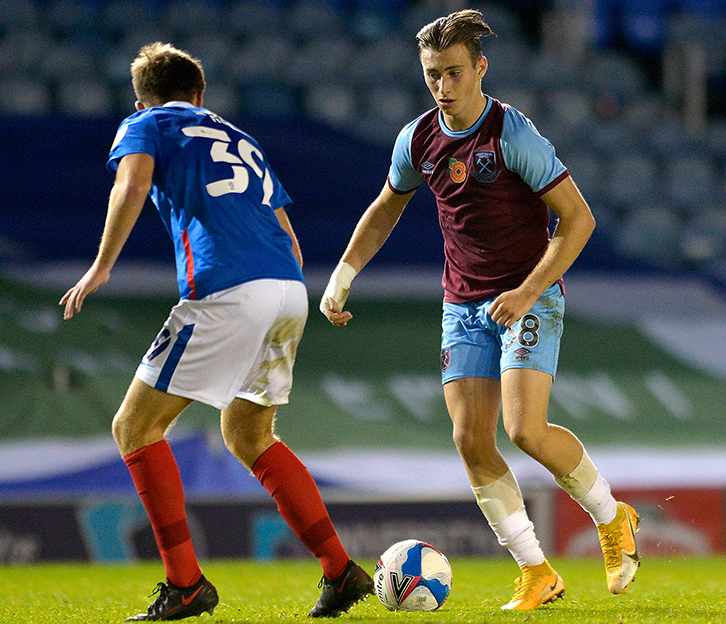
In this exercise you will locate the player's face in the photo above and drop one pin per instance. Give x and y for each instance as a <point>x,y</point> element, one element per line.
<point>455,82</point>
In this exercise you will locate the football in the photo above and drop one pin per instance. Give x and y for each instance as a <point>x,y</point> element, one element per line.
<point>412,576</point>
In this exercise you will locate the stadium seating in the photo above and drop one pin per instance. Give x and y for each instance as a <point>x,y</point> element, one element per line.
<point>350,64</point>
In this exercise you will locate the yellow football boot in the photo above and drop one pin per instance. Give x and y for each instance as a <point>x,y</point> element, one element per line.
<point>538,585</point>
<point>617,540</point>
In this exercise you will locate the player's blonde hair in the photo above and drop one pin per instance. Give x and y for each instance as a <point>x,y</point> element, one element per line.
<point>162,73</point>
<point>466,27</point>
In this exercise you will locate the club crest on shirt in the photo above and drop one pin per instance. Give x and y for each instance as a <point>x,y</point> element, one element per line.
<point>485,166</point>
<point>458,170</point>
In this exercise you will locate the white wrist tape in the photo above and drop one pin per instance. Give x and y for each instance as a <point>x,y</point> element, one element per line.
<point>338,286</point>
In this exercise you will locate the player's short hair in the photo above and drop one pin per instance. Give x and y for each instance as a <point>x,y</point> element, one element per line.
<point>466,27</point>
<point>162,73</point>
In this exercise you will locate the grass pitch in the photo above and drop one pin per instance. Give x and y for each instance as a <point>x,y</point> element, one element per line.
<point>679,590</point>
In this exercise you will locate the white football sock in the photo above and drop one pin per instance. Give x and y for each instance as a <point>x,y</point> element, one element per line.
<point>585,485</point>
<point>502,505</point>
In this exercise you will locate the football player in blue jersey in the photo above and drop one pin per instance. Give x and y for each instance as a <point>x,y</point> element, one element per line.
<point>495,180</point>
<point>231,340</point>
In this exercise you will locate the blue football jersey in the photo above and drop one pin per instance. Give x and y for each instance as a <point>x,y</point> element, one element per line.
<point>216,195</point>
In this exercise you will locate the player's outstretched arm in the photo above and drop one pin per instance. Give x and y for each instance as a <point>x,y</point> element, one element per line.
<point>372,230</point>
<point>132,185</point>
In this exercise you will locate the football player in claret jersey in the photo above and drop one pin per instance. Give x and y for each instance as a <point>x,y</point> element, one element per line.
<point>495,180</point>
<point>231,340</point>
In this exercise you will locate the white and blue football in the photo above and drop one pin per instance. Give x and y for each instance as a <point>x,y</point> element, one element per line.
<point>412,576</point>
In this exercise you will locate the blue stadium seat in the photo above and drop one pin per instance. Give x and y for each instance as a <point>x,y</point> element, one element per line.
<point>367,22</point>
<point>704,236</point>
<point>638,113</point>
<point>509,63</point>
<point>587,170</point>
<point>717,140</point>
<point>552,72</point>
<point>572,107</point>
<point>319,60</point>
<point>254,18</point>
<point>708,9</point>
<point>651,234</point>
<point>118,17</point>
<point>690,179</point>
<point>224,99</point>
<point>191,16</point>
<point>22,51</point>
<point>84,97</point>
<point>24,96</point>
<point>615,73</point>
<point>216,48</point>
<point>392,105</point>
<point>632,179</point>
<point>311,19</point>
<point>17,15</point>
<point>390,59</point>
<point>261,58</point>
<point>64,60</point>
<point>523,97</point>
<point>269,99</point>
<point>334,104</point>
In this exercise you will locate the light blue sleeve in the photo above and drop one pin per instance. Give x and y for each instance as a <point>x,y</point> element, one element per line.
<point>402,176</point>
<point>527,152</point>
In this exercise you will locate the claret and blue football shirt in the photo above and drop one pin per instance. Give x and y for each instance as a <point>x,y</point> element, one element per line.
<point>488,181</point>
<point>216,195</point>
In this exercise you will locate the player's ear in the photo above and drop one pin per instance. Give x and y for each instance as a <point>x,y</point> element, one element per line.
<point>481,66</point>
<point>198,99</point>
<point>139,106</point>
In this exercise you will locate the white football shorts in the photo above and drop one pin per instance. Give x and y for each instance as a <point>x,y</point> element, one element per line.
<point>240,342</point>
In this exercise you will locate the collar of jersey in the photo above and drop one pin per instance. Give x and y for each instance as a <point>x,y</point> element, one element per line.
<point>180,103</point>
<point>462,133</point>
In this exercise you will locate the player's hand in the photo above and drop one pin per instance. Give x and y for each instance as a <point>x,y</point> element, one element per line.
<point>336,294</point>
<point>335,315</point>
<point>90,282</point>
<point>511,306</point>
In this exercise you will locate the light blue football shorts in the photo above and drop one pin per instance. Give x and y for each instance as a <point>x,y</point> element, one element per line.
<point>473,345</point>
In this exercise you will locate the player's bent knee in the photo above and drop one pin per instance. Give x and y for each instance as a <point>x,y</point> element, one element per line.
<point>247,448</point>
<point>526,440</point>
<point>126,435</point>
<point>476,454</point>
<point>132,433</point>
<point>122,434</point>
<point>469,443</point>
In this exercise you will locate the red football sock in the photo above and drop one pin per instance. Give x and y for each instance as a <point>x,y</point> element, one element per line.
<point>157,479</point>
<point>288,481</point>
